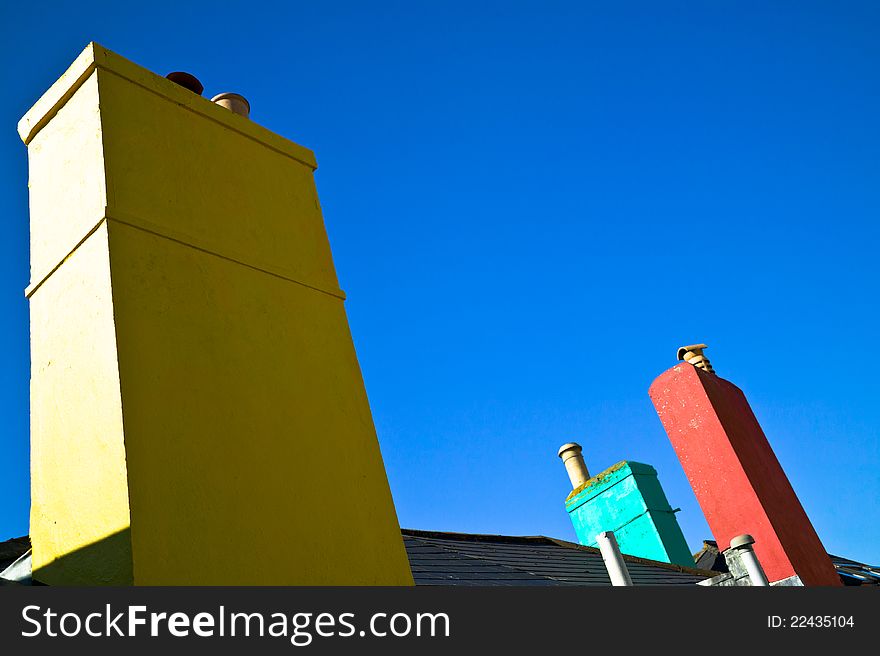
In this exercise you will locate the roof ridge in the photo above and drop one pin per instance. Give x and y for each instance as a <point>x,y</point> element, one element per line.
<point>475,537</point>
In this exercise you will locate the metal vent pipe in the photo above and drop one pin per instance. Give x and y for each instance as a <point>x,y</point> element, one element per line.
<point>614,562</point>
<point>742,544</point>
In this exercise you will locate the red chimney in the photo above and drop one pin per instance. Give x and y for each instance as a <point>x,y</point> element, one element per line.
<point>735,475</point>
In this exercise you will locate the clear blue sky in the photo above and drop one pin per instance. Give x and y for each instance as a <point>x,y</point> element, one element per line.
<point>531,206</point>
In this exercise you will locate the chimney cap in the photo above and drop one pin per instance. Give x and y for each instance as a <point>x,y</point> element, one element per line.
<point>690,347</point>
<point>743,540</point>
<point>569,446</point>
<point>693,354</point>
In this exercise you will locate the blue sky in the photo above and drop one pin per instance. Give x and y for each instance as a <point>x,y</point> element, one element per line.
<point>531,206</point>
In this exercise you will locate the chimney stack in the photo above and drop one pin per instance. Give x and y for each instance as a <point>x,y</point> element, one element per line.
<point>735,475</point>
<point>626,499</point>
<point>193,376</point>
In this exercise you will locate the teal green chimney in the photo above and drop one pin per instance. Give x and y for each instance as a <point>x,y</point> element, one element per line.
<point>628,500</point>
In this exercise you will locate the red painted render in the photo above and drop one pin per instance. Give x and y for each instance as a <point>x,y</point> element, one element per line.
<point>736,477</point>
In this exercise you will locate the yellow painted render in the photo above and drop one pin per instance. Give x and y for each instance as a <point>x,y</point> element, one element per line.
<point>221,346</point>
<point>66,176</point>
<point>265,442</point>
<point>78,473</point>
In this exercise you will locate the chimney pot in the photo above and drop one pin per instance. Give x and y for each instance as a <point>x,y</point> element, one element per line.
<point>573,459</point>
<point>234,102</point>
<point>187,81</point>
<point>693,354</point>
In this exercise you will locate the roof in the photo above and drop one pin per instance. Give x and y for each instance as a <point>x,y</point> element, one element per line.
<point>487,560</point>
<point>12,549</point>
<point>851,572</point>
<point>490,560</point>
<point>709,557</point>
<point>15,561</point>
<point>855,573</point>
<point>438,558</point>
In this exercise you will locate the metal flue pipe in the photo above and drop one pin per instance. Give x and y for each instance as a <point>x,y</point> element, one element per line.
<point>743,546</point>
<point>614,562</point>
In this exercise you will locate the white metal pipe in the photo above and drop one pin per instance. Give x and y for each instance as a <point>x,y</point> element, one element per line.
<point>743,545</point>
<point>614,562</point>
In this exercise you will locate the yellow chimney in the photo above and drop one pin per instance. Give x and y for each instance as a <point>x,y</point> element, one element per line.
<point>198,415</point>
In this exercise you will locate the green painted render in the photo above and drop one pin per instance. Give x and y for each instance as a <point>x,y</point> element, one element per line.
<point>628,500</point>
